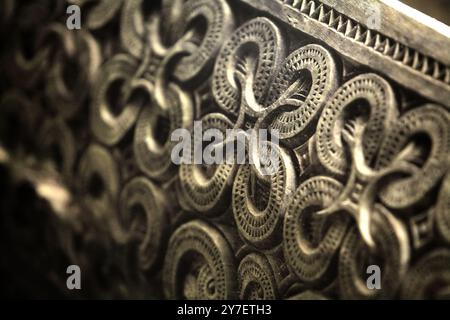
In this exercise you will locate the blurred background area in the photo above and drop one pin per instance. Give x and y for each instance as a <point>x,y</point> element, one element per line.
<point>438,9</point>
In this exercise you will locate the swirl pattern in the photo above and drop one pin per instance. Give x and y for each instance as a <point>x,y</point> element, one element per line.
<point>306,92</point>
<point>117,99</point>
<point>258,37</point>
<point>206,186</point>
<point>260,224</point>
<point>201,257</point>
<point>219,22</point>
<point>143,214</point>
<point>351,169</point>
<point>391,238</point>
<point>429,123</point>
<point>152,143</point>
<point>310,242</point>
<point>367,97</point>
<point>257,279</point>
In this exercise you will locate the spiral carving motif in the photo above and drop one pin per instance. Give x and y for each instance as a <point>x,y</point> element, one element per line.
<point>206,186</point>
<point>219,23</point>
<point>311,242</point>
<point>405,142</point>
<point>152,143</point>
<point>260,223</point>
<point>354,257</point>
<point>65,88</point>
<point>199,264</point>
<point>144,216</point>
<point>117,100</point>
<point>257,278</point>
<point>355,122</point>
<point>368,98</point>
<point>258,43</point>
<point>306,81</point>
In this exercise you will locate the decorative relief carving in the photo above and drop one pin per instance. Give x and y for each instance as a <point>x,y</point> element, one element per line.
<point>356,162</point>
<point>199,264</point>
<point>206,188</point>
<point>377,41</point>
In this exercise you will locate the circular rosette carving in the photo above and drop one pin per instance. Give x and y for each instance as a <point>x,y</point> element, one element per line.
<point>152,142</point>
<point>367,99</point>
<point>73,68</point>
<point>57,140</point>
<point>257,280</point>
<point>429,278</point>
<point>259,201</point>
<point>199,264</point>
<point>251,56</point>
<point>443,209</point>
<point>421,137</point>
<point>99,181</point>
<point>101,12</point>
<point>143,216</point>
<point>117,99</point>
<point>391,255</point>
<point>305,83</point>
<point>311,241</point>
<point>206,187</point>
<point>210,22</point>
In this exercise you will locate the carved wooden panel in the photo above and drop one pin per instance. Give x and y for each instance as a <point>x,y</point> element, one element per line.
<point>358,91</point>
